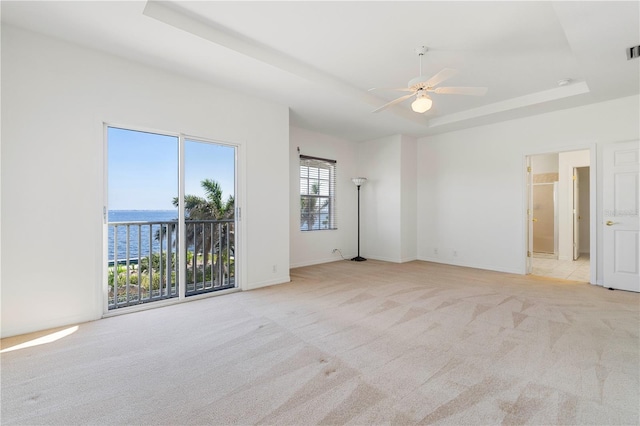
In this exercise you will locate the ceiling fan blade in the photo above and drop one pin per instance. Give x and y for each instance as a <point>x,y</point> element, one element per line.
<point>397,89</point>
<point>393,102</point>
<point>473,91</point>
<point>443,75</point>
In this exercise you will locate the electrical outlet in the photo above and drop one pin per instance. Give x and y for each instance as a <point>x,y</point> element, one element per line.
<point>455,253</point>
<point>435,251</point>
<point>275,268</point>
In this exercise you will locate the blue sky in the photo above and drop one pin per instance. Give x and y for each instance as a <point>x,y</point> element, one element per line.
<point>143,169</point>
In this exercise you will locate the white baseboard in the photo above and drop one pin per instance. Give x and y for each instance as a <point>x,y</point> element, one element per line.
<point>41,326</point>
<point>334,259</point>
<point>474,265</point>
<point>317,262</point>
<point>267,283</point>
<point>382,258</point>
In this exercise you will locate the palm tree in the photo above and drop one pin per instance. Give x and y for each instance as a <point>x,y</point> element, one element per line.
<point>207,208</point>
<point>211,207</point>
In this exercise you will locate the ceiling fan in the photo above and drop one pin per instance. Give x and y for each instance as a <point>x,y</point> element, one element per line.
<point>421,86</point>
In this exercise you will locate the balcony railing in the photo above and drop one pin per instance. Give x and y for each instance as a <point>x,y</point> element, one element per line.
<point>210,255</point>
<point>144,262</point>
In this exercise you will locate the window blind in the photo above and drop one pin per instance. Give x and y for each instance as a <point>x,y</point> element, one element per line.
<point>317,194</point>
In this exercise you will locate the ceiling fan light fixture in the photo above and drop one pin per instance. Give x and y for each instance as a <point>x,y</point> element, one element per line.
<point>422,103</point>
<point>420,86</point>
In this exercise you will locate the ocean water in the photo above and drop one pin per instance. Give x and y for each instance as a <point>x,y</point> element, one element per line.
<point>144,231</point>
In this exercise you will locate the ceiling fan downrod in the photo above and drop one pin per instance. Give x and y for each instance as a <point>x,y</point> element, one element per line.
<point>420,51</point>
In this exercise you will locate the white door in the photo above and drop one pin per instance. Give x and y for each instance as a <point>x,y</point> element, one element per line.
<point>621,227</point>
<point>576,214</point>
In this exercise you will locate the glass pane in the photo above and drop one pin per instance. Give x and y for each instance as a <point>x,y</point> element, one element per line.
<point>210,216</point>
<point>324,187</point>
<point>314,186</point>
<point>142,195</point>
<point>544,218</point>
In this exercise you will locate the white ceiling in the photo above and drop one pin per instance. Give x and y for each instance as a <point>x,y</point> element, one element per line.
<point>320,58</point>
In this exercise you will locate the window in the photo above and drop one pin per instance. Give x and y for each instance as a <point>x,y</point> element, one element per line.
<point>317,194</point>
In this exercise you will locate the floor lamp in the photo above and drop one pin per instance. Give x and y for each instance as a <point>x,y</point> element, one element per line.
<point>359,181</point>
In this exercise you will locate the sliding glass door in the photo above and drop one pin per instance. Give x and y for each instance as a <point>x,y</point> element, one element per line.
<point>161,187</point>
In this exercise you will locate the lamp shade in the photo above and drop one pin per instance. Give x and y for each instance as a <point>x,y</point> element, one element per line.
<point>359,180</point>
<point>422,103</point>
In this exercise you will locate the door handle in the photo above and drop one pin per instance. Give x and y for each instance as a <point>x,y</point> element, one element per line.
<point>534,220</point>
<point>609,223</point>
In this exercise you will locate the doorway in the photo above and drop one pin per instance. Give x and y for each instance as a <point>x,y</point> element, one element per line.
<point>559,217</point>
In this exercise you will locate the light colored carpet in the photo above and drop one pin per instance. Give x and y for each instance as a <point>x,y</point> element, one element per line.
<point>347,343</point>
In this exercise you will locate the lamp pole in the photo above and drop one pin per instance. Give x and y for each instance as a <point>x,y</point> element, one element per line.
<point>359,181</point>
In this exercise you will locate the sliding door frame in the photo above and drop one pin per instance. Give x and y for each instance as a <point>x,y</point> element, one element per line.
<point>239,242</point>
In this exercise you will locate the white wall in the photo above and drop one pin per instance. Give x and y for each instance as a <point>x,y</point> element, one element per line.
<point>544,163</point>
<point>408,201</point>
<point>55,98</point>
<point>471,183</point>
<point>312,247</point>
<point>389,198</point>
<point>380,217</point>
